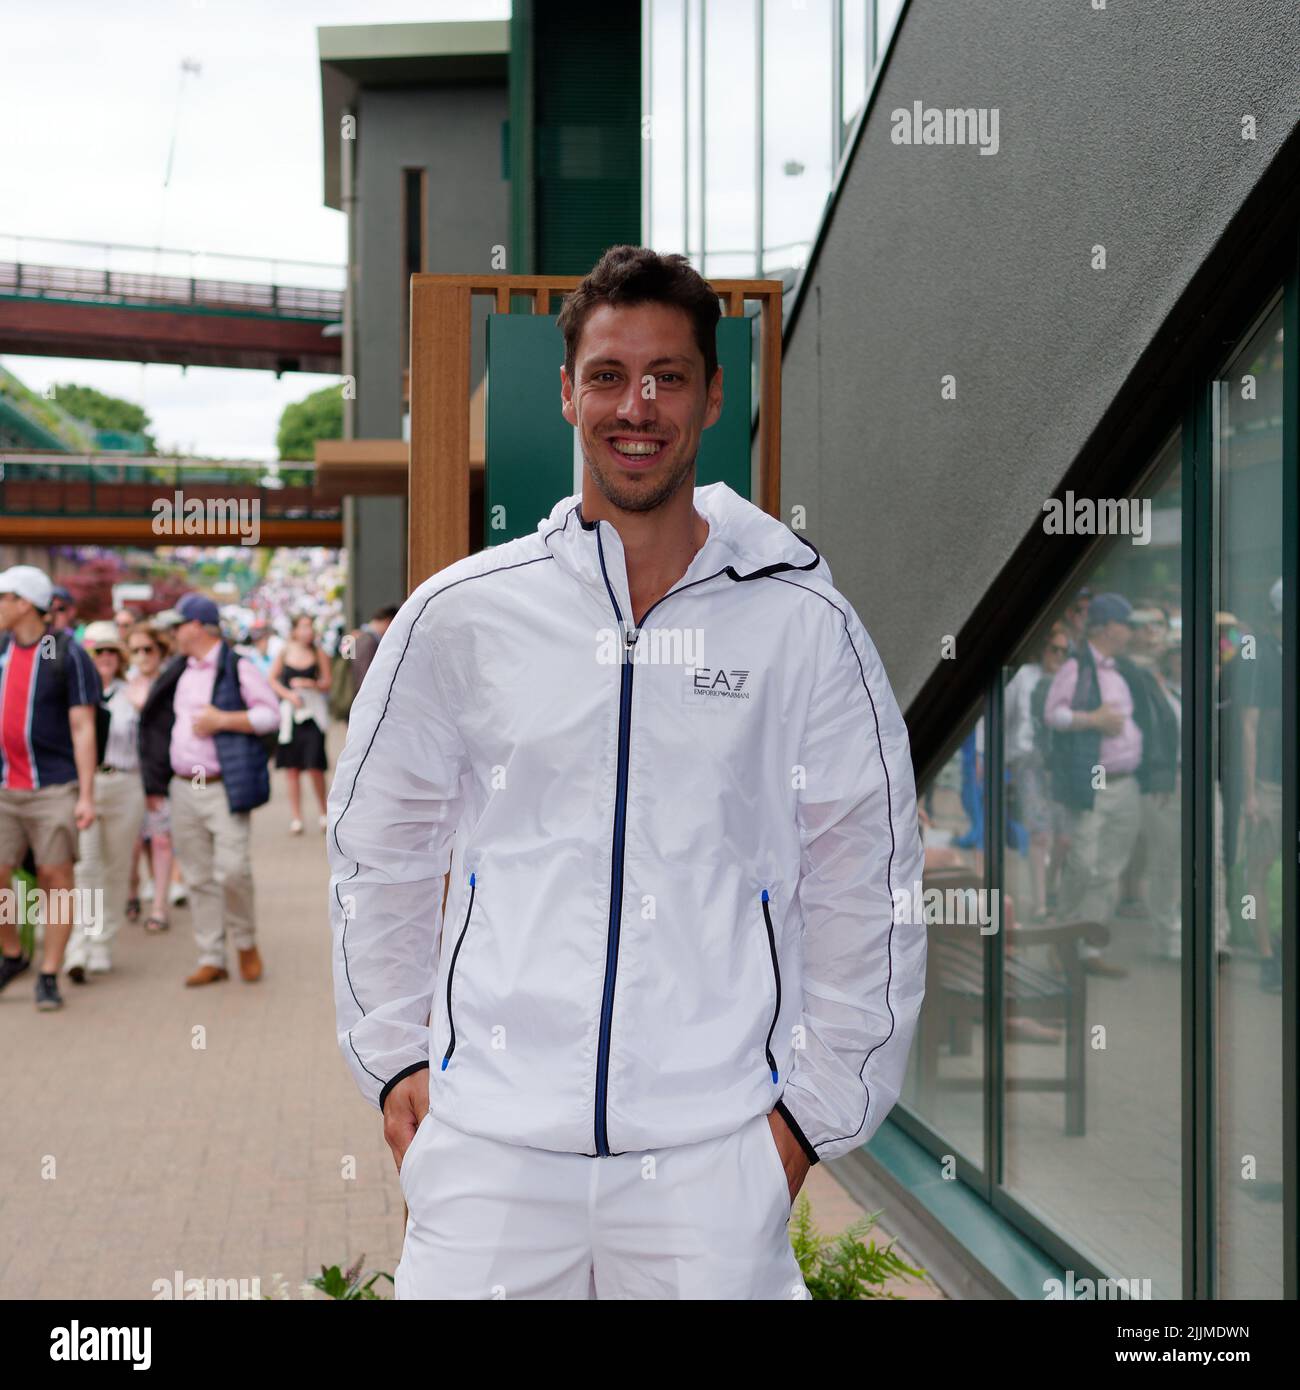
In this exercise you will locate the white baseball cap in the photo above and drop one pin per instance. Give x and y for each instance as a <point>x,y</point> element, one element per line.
<point>30,583</point>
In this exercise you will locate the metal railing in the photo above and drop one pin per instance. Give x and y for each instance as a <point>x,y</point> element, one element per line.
<point>104,485</point>
<point>127,287</point>
<point>116,273</point>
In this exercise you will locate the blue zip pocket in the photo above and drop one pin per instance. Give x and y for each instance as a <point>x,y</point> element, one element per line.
<point>776,975</point>
<point>451,975</point>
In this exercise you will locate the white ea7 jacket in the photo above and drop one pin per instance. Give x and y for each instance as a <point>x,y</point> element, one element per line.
<point>673,851</point>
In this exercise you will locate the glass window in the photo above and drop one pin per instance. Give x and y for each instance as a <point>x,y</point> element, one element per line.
<point>887,12</point>
<point>694,191</point>
<point>945,1076</point>
<point>1248,806</point>
<point>797,135</point>
<point>1092,711</point>
<point>853,60</point>
<point>665,149</point>
<point>731,139</point>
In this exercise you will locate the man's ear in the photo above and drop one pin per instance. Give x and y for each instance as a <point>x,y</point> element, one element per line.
<point>566,398</point>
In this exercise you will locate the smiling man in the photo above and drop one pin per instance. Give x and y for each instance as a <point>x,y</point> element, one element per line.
<point>669,978</point>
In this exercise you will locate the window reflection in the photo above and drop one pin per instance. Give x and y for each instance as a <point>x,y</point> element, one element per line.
<point>1248,1050</point>
<point>1092,710</point>
<point>946,1067</point>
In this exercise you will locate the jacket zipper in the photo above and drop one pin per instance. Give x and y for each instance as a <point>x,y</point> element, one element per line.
<point>616,892</point>
<point>451,975</point>
<point>616,870</point>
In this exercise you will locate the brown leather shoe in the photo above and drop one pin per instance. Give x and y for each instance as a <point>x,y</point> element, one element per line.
<point>250,965</point>
<point>208,974</point>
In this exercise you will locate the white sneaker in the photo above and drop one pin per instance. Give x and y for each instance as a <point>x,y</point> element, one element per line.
<point>177,895</point>
<point>324,821</point>
<point>295,827</point>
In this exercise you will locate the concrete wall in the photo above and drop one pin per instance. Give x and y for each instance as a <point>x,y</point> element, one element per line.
<point>455,134</point>
<point>1120,126</point>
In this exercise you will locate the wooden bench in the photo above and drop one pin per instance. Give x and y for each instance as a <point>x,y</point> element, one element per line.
<point>956,1001</point>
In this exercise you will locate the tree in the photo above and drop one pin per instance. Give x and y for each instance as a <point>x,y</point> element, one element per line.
<point>319,416</point>
<point>105,412</point>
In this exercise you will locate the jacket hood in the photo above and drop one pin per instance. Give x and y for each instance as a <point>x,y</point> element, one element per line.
<point>743,540</point>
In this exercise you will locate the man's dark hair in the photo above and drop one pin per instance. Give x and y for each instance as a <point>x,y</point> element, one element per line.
<point>627,275</point>
<point>383,614</point>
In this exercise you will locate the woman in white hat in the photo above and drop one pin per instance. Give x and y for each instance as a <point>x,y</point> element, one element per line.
<point>107,847</point>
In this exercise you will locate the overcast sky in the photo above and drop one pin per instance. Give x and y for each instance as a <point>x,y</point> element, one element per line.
<point>90,95</point>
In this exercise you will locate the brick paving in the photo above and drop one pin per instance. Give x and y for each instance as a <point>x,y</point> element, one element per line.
<point>218,1153</point>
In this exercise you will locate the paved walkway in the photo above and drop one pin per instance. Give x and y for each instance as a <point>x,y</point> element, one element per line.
<point>134,1146</point>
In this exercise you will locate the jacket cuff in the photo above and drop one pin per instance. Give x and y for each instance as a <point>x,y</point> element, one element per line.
<point>401,1076</point>
<point>783,1110</point>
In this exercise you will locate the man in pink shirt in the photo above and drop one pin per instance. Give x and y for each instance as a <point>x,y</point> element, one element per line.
<point>1090,707</point>
<point>200,744</point>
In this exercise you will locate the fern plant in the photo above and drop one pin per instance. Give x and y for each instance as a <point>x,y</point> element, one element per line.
<point>845,1266</point>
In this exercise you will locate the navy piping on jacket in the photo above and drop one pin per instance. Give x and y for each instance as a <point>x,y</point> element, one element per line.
<point>361,765</point>
<point>601,1099</point>
<point>889,816</point>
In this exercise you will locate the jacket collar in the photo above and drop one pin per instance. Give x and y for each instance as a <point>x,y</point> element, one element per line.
<point>743,543</point>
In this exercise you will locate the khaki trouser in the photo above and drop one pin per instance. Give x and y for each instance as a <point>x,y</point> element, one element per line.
<point>1162,830</point>
<point>212,847</point>
<point>1101,843</point>
<point>105,863</point>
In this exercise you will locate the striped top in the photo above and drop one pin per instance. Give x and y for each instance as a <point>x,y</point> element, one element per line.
<point>37,688</point>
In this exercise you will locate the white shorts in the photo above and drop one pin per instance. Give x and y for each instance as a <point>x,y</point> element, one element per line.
<point>488,1219</point>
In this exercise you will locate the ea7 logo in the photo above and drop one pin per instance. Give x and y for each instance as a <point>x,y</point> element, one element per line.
<point>720,683</point>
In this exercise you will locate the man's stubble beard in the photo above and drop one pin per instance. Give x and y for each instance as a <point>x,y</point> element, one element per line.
<point>635,498</point>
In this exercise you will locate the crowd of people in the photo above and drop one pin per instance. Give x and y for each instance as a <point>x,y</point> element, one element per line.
<point>148,742</point>
<point>1093,740</point>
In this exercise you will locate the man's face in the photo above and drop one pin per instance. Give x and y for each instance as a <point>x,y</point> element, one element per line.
<point>188,637</point>
<point>61,614</point>
<point>640,379</point>
<point>1118,636</point>
<point>12,609</point>
<point>1055,651</point>
<point>1150,638</point>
